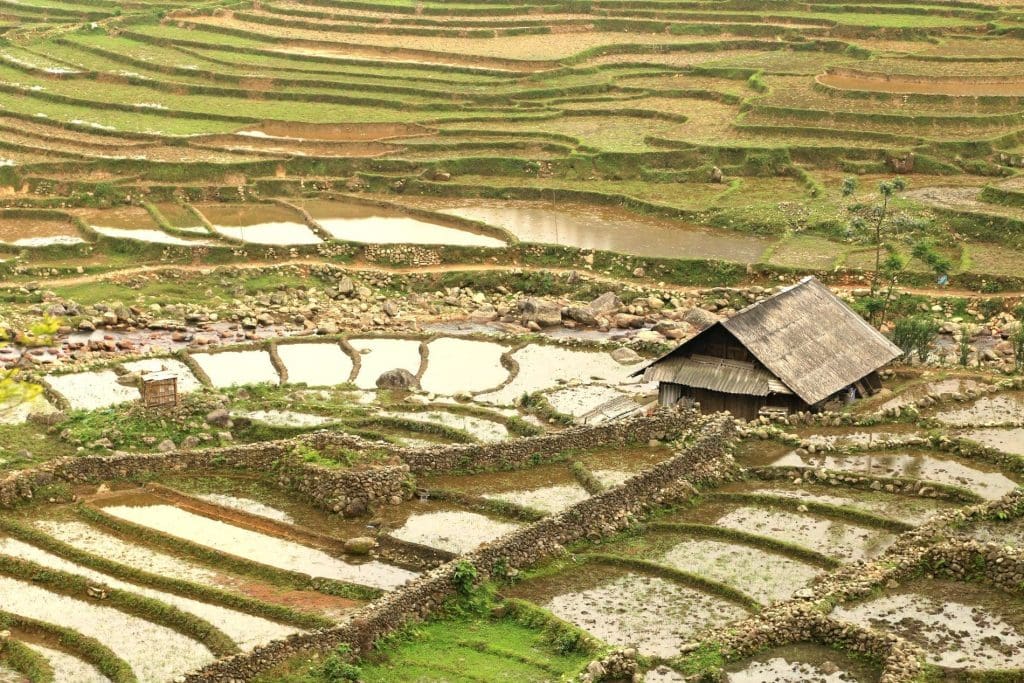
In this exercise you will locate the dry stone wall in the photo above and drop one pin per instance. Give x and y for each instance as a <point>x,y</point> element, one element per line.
<point>347,491</point>
<point>343,490</point>
<point>705,462</point>
<point>663,425</point>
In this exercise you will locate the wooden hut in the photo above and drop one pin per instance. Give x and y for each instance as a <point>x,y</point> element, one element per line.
<point>793,351</point>
<point>159,389</point>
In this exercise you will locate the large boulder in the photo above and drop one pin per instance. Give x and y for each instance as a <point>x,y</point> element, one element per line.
<point>626,356</point>
<point>626,321</point>
<point>608,302</point>
<point>700,318</point>
<point>581,314</point>
<point>399,378</point>
<point>543,313</point>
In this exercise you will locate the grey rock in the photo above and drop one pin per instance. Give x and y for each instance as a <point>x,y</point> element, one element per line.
<point>625,356</point>
<point>399,378</point>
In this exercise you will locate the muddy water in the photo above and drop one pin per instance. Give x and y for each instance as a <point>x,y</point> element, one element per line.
<point>1008,440</point>
<point>625,459</point>
<point>370,224</point>
<point>1009,533</point>
<point>259,547</point>
<point>299,511</point>
<point>14,229</point>
<point>455,531</point>
<point>180,217</point>
<point>909,509</point>
<point>125,218</point>
<point>578,401</point>
<point>967,87</point>
<point>987,482</point>
<point>764,576</point>
<point>259,223</point>
<point>502,481</point>
<point>841,540</point>
<point>315,365</point>
<point>609,229</point>
<point>959,625</point>
<point>802,663</point>
<point>627,609</point>
<point>463,365</point>
<point>236,368</point>
<point>1002,409</point>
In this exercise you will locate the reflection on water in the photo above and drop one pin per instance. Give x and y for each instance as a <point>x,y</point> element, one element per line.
<point>364,223</point>
<point>617,230</point>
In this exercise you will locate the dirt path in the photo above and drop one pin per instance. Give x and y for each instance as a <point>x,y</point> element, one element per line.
<point>359,267</point>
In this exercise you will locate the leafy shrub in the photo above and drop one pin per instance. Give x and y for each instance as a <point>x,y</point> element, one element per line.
<point>1017,340</point>
<point>464,577</point>
<point>338,669</point>
<point>915,334</point>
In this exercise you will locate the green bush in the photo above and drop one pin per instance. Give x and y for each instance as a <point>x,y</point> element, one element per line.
<point>464,577</point>
<point>338,669</point>
<point>915,334</point>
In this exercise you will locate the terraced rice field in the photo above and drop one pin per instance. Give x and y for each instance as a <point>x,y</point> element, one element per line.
<point>209,563</point>
<point>530,123</point>
<point>694,142</point>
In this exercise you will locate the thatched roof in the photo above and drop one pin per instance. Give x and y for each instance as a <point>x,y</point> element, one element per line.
<point>807,338</point>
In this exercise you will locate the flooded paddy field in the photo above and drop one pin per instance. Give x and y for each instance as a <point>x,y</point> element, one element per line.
<point>987,481</point>
<point>271,224</point>
<point>960,626</point>
<point>1007,440</point>
<point>660,587</point>
<point>844,541</point>
<point>802,664</point>
<point>692,147</point>
<point>655,615</point>
<point>366,223</point>
<point>29,232</point>
<point>605,229</point>
<point>1002,409</point>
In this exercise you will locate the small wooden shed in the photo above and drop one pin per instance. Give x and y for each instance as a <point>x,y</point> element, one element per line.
<point>159,389</point>
<point>793,351</point>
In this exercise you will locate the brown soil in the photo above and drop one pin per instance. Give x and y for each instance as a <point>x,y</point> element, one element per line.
<point>293,147</point>
<point>330,606</point>
<point>974,87</point>
<point>12,229</point>
<point>340,132</point>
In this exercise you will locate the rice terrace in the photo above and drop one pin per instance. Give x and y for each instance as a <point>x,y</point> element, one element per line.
<point>476,341</point>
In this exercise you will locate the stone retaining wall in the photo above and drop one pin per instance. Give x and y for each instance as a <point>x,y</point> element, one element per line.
<point>343,490</point>
<point>514,453</point>
<point>346,491</point>
<point>705,462</point>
